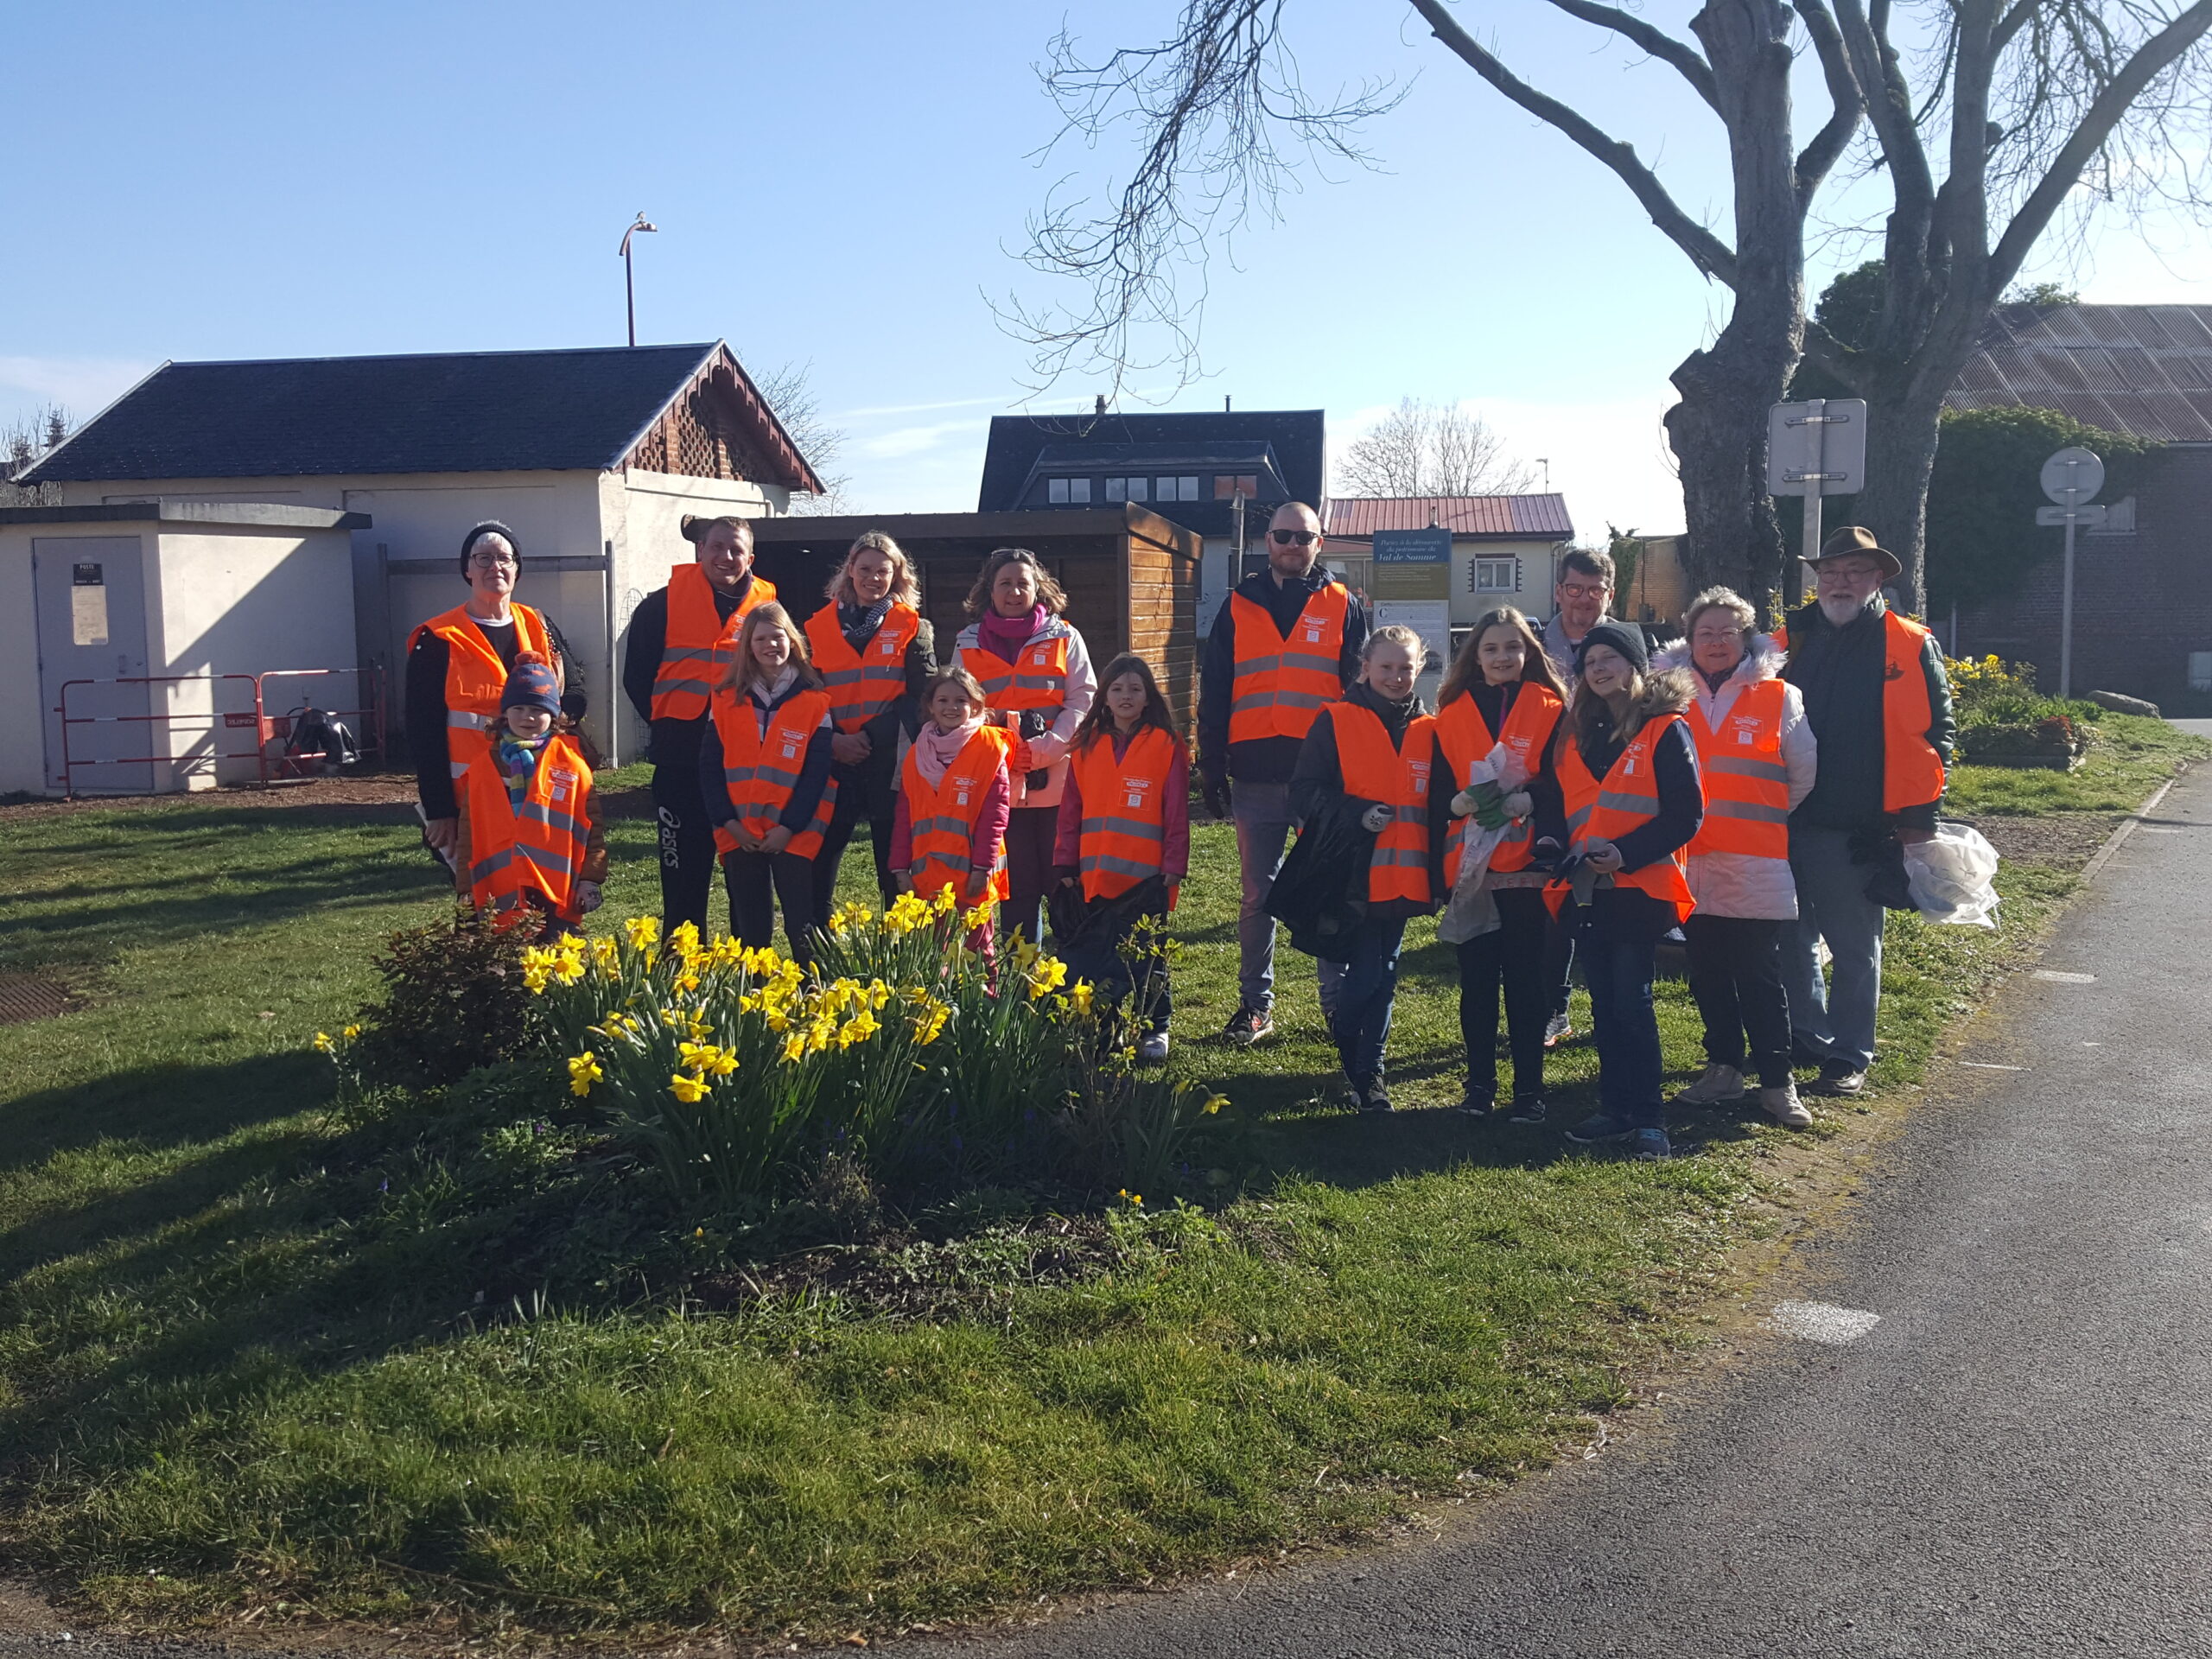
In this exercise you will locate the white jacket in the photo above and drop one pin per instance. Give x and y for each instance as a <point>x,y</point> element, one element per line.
<point>1743,884</point>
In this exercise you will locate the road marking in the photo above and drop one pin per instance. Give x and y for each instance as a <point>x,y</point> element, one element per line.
<point>1989,1065</point>
<point>2160,829</point>
<point>1821,1322</point>
<point>2052,976</point>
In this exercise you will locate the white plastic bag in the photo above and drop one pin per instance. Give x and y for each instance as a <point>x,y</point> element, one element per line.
<point>1950,875</point>
<point>1471,912</point>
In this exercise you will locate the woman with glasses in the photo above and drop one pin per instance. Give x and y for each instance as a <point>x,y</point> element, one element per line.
<point>457,667</point>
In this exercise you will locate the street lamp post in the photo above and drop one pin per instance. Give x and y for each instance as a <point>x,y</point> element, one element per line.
<point>629,281</point>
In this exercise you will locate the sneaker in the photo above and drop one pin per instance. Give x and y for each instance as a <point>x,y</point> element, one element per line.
<point>1527,1111</point>
<point>1652,1146</point>
<point>1839,1080</point>
<point>1603,1126</point>
<point>1375,1099</point>
<point>1784,1107</point>
<point>1720,1082</point>
<point>1559,1029</point>
<point>1477,1102</point>
<point>1247,1025</point>
<point>1153,1050</point>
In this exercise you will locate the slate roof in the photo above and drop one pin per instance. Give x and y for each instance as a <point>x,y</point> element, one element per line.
<point>450,412</point>
<point>1298,436</point>
<point>1542,516</point>
<point>2145,370</point>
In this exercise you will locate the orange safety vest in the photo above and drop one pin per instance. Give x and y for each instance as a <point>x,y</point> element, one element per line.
<point>1629,796</point>
<point>698,644</point>
<point>536,846</point>
<point>1036,678</point>
<point>762,768</point>
<point>1465,738</point>
<point>1746,783</point>
<point>861,684</point>
<point>1912,773</point>
<point>1125,810</point>
<point>476,678</point>
<point>1279,685</point>
<point>1399,779</point>
<point>941,817</point>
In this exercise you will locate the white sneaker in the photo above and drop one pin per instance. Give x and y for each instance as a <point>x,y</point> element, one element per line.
<point>1153,1050</point>
<point>1720,1082</point>
<point>1784,1107</point>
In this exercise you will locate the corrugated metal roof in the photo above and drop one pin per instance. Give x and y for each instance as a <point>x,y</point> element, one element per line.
<point>2145,370</point>
<point>1542,516</point>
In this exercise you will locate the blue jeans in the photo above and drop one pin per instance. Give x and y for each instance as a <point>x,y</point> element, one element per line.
<point>1617,960</point>
<point>1102,962</point>
<point>1261,813</point>
<point>1364,1002</point>
<point>1837,1019</point>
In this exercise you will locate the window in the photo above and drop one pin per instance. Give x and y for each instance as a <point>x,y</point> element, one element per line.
<point>2200,670</point>
<point>1226,484</point>
<point>1493,576</point>
<point>1127,489</point>
<point>1062,492</point>
<point>1138,489</point>
<point>1176,489</point>
<point>1056,492</point>
<point>1079,490</point>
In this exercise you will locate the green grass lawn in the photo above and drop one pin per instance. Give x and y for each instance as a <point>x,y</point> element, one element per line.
<point>251,1357</point>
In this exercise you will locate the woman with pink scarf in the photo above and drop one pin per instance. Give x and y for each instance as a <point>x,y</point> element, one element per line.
<point>953,795</point>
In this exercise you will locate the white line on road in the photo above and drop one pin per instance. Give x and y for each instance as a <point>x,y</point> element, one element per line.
<point>1821,1322</point>
<point>2054,977</point>
<point>1990,1065</point>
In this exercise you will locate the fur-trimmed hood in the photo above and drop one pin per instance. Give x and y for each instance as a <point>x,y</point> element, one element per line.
<point>1667,692</point>
<point>1764,661</point>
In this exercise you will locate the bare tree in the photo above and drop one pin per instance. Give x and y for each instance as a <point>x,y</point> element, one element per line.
<point>2046,91</point>
<point>24,441</point>
<point>789,389</point>
<point>1421,449</point>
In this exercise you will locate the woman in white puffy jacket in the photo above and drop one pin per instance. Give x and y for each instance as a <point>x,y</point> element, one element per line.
<point>1756,756</point>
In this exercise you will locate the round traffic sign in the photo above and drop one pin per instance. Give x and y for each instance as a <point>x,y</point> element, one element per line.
<point>2073,476</point>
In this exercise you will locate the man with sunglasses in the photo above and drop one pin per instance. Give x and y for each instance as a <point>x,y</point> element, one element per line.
<point>1286,643</point>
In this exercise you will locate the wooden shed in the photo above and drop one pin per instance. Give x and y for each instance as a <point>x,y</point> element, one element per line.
<point>1131,576</point>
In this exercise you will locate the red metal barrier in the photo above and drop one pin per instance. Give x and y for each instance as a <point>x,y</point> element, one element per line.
<point>367,720</point>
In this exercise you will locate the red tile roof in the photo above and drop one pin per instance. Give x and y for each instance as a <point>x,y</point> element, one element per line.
<point>2140,369</point>
<point>1543,515</point>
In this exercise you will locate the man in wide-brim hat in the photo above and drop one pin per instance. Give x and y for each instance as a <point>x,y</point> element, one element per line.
<point>1879,704</point>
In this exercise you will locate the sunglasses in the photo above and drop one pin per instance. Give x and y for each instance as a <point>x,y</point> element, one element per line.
<point>1292,538</point>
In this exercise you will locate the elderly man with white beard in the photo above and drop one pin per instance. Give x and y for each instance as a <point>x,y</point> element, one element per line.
<point>1879,704</point>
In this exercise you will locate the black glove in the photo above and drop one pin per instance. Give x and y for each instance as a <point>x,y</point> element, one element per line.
<point>1035,724</point>
<point>1215,793</point>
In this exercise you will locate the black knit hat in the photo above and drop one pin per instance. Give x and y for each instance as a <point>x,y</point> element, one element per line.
<point>1624,637</point>
<point>477,533</point>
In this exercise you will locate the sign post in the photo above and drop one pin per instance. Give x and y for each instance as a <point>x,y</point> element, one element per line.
<point>1413,585</point>
<point>1815,448</point>
<point>2071,478</point>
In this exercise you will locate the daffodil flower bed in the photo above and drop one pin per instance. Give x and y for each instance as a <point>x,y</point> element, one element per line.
<point>902,1049</point>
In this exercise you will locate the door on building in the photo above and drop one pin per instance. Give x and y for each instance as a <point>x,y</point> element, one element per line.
<point>92,627</point>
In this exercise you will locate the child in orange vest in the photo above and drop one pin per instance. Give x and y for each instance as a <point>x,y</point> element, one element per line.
<point>527,834</point>
<point>955,795</point>
<point>1125,826</point>
<point>764,770</point>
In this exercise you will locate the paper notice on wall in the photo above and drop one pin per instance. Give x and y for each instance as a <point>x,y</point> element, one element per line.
<point>88,615</point>
<point>1429,618</point>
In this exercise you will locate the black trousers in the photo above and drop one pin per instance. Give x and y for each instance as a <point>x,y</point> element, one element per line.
<point>687,847</point>
<point>1736,976</point>
<point>760,882</point>
<point>1030,831</point>
<point>866,796</point>
<point>1510,957</point>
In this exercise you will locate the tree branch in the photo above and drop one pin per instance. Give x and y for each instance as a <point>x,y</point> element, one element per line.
<point>1706,250</point>
<point>1889,105</point>
<point>2151,59</point>
<point>1651,39</point>
<point>1825,351</point>
<point>1827,145</point>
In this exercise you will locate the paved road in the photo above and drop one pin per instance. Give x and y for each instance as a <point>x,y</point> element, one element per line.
<point>2016,1460</point>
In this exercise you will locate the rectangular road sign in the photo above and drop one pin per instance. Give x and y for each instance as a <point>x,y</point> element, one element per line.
<point>2076,515</point>
<point>1818,446</point>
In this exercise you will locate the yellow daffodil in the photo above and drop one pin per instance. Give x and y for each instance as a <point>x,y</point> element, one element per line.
<point>536,976</point>
<point>858,1029</point>
<point>642,932</point>
<point>944,901</point>
<point>1080,996</point>
<point>1047,977</point>
<point>724,1063</point>
<point>1214,1104</point>
<point>323,1043</point>
<point>684,939</point>
<point>794,1047</point>
<point>687,1089</point>
<point>583,1071</point>
<point>350,1032</point>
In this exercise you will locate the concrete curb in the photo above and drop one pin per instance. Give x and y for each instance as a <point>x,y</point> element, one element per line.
<point>2124,828</point>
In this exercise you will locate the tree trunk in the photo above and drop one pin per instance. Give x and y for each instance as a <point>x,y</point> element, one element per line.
<point>1719,435</point>
<point>1901,434</point>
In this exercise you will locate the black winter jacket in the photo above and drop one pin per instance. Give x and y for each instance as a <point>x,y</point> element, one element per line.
<point>1839,673</point>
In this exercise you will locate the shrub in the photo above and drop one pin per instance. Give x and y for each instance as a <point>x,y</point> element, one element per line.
<point>453,1000</point>
<point>2001,715</point>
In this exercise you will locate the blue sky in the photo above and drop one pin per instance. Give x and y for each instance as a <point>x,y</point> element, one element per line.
<point>844,183</point>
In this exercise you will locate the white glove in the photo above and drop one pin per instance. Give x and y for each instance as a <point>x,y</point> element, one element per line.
<point>1518,804</point>
<point>1376,819</point>
<point>1463,803</point>
<point>588,897</point>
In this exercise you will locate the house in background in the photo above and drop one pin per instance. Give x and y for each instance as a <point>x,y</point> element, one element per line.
<point>1188,468</point>
<point>2143,580</point>
<point>1656,589</point>
<point>1505,549</point>
<point>593,456</point>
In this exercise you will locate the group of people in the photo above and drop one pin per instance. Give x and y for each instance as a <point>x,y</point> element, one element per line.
<point>1577,795</point>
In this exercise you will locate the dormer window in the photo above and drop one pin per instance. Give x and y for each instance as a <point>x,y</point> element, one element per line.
<point>1067,492</point>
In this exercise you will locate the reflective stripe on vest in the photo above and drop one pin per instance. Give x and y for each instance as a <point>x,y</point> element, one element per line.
<point>1279,685</point>
<point>1398,777</point>
<point>760,769</point>
<point>1124,831</point>
<point>1464,740</point>
<point>536,845</point>
<point>697,646</point>
<point>1912,773</point>
<point>861,684</point>
<point>1628,797</point>
<point>476,678</point>
<point>941,817</point>
<point>1746,783</point>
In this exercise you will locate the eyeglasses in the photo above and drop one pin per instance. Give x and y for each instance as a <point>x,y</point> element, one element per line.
<point>1856,572</point>
<point>1583,590</point>
<point>1293,538</point>
<point>493,562</point>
